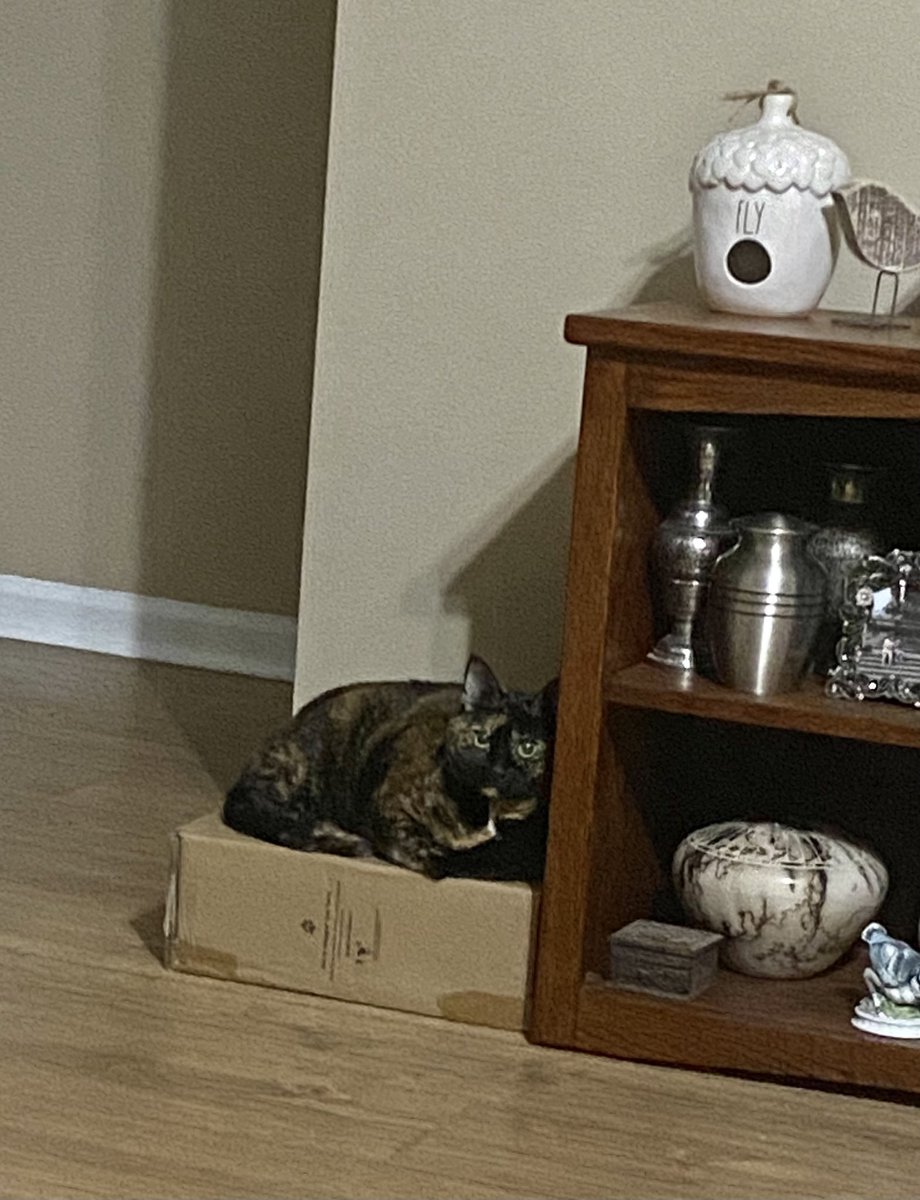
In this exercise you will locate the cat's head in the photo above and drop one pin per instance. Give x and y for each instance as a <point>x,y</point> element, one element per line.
<point>497,749</point>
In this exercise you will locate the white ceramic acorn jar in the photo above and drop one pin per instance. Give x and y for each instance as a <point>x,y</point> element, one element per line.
<point>764,228</point>
<point>788,901</point>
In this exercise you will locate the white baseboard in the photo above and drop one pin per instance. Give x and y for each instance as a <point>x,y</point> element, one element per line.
<point>149,627</point>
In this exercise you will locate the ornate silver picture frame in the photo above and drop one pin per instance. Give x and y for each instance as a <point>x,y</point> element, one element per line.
<point>878,654</point>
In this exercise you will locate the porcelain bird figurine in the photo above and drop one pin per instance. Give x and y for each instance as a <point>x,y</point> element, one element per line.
<point>892,1007</point>
<point>883,231</point>
<point>895,970</point>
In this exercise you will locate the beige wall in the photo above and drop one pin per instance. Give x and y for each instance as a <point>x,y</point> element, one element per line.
<point>493,166</point>
<point>162,182</point>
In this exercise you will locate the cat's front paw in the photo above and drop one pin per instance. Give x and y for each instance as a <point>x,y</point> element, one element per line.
<point>436,868</point>
<point>414,856</point>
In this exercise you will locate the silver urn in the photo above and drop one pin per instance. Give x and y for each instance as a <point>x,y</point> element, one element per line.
<point>767,599</point>
<point>687,544</point>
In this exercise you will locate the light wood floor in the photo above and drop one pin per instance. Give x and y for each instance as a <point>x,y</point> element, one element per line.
<point>120,1079</point>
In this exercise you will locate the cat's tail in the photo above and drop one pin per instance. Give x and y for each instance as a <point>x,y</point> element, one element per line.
<point>273,800</point>
<point>270,800</point>
<point>259,806</point>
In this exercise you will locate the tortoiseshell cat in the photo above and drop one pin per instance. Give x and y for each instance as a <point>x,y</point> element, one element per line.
<point>445,779</point>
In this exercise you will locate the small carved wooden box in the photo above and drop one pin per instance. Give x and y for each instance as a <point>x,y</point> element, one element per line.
<point>669,960</point>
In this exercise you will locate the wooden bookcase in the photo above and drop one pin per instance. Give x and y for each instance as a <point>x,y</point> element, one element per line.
<point>642,756</point>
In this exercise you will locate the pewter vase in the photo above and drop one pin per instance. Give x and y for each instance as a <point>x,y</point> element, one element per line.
<point>766,602</point>
<point>686,546</point>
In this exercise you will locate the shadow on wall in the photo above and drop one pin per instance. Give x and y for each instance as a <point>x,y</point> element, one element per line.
<point>511,589</point>
<point>239,228</point>
<point>245,128</point>
<point>670,274</point>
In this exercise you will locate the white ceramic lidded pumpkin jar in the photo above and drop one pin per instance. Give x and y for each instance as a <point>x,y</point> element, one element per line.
<point>764,228</point>
<point>789,902</point>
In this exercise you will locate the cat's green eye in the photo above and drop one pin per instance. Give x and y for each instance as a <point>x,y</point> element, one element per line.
<point>481,739</point>
<point>527,747</point>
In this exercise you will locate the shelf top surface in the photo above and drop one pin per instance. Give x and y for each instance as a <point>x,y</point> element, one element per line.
<point>808,710</point>
<point>818,340</point>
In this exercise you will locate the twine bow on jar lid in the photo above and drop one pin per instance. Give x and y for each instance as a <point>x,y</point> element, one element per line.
<point>775,87</point>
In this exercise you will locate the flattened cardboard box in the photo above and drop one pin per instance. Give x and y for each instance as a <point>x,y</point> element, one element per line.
<point>353,929</point>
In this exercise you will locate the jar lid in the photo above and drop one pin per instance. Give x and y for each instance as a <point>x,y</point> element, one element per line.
<point>776,523</point>
<point>766,844</point>
<point>774,153</point>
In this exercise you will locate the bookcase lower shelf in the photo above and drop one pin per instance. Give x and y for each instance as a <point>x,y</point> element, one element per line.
<point>793,1030</point>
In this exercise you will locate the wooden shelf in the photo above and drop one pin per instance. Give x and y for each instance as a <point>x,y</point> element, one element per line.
<point>650,371</point>
<point>790,1028</point>
<point>686,359</point>
<point>648,685</point>
<point>801,343</point>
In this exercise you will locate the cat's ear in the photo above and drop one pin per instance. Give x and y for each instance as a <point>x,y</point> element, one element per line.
<point>549,702</point>
<point>480,687</point>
